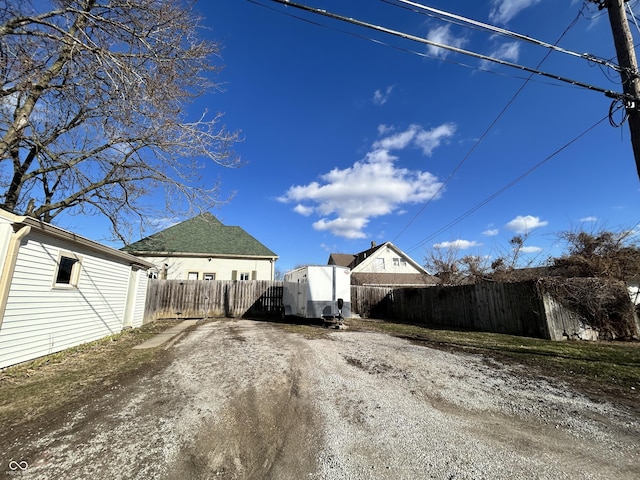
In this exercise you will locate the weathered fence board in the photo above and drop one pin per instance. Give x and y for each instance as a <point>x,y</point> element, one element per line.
<point>372,302</point>
<point>202,299</point>
<point>512,308</point>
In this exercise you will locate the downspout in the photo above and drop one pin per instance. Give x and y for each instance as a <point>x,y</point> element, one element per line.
<point>9,266</point>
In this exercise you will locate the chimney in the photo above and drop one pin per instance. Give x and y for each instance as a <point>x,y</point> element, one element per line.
<point>373,244</point>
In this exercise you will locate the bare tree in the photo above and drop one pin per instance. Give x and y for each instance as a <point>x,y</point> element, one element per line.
<point>603,253</point>
<point>93,97</point>
<point>504,266</point>
<point>443,262</point>
<point>475,267</point>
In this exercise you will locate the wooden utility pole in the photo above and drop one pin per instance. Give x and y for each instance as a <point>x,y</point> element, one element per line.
<point>627,62</point>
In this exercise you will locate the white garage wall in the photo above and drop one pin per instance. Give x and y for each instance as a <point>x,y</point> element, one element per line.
<point>41,319</point>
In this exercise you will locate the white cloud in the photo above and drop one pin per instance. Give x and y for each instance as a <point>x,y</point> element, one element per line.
<point>303,210</point>
<point>524,224</point>
<point>509,52</point>
<point>492,232</point>
<point>384,129</point>
<point>504,10</point>
<point>346,199</point>
<point>531,249</point>
<point>457,244</point>
<point>380,97</point>
<point>427,140</point>
<point>443,36</point>
<point>589,219</point>
<point>164,222</point>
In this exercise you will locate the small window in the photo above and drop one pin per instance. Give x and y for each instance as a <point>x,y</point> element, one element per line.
<point>192,276</point>
<point>209,276</point>
<point>396,262</point>
<point>68,271</point>
<point>379,264</point>
<point>244,275</point>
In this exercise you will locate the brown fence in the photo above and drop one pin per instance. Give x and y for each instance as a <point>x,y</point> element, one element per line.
<point>512,308</point>
<point>202,299</point>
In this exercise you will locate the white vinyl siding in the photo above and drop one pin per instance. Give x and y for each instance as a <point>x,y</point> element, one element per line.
<point>388,260</point>
<point>41,319</point>
<point>142,280</point>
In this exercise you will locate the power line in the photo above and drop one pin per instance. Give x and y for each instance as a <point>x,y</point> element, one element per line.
<point>407,36</point>
<point>507,186</point>
<point>406,50</point>
<point>507,33</point>
<point>489,128</point>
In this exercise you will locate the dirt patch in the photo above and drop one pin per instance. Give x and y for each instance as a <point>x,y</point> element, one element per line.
<point>241,399</point>
<point>37,389</point>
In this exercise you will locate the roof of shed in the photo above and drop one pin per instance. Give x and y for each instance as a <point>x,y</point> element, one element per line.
<point>341,259</point>
<point>203,234</point>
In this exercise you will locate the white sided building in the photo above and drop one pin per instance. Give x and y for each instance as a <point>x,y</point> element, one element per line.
<point>383,265</point>
<point>59,290</point>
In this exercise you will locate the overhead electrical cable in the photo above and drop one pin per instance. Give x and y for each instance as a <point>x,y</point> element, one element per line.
<point>488,129</point>
<point>506,187</point>
<point>406,50</point>
<point>508,33</point>
<point>633,16</point>
<point>407,36</point>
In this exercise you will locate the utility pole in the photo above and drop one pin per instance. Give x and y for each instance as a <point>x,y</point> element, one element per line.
<point>627,61</point>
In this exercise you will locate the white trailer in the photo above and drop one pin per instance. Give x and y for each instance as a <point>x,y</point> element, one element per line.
<point>322,292</point>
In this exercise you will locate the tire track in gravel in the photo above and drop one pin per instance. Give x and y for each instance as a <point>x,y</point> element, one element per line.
<point>238,399</point>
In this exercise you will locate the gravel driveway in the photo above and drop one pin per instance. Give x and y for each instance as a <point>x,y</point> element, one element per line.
<point>251,400</point>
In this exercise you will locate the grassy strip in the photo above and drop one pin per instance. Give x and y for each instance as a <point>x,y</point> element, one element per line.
<point>33,389</point>
<point>609,367</point>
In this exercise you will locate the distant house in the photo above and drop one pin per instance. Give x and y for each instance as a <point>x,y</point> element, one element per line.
<point>202,248</point>
<point>59,290</point>
<point>383,265</point>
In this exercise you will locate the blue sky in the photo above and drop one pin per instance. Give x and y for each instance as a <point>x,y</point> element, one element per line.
<point>352,136</point>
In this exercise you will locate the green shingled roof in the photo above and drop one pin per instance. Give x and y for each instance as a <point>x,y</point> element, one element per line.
<point>203,234</point>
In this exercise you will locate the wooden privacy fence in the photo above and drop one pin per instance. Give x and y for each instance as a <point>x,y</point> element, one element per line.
<point>216,298</point>
<point>515,308</point>
<point>512,308</point>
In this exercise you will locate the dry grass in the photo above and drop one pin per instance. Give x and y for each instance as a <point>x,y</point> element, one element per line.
<point>36,388</point>
<point>610,369</point>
